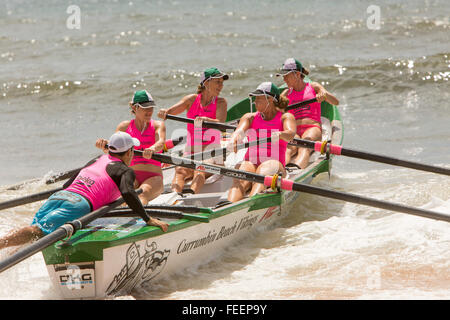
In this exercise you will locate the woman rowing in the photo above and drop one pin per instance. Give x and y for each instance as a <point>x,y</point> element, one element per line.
<point>151,135</point>
<point>267,121</point>
<point>309,126</point>
<point>205,105</point>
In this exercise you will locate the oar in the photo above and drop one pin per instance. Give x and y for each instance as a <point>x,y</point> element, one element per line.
<point>65,230</point>
<point>54,178</point>
<point>300,104</point>
<point>286,184</point>
<point>339,150</point>
<point>28,199</point>
<point>157,213</point>
<point>334,149</point>
<point>221,151</point>
<point>180,208</point>
<point>207,124</point>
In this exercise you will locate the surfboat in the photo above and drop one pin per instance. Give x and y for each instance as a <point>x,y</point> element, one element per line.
<point>113,255</point>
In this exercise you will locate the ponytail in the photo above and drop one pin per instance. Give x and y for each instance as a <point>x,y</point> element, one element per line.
<point>282,103</point>
<point>304,72</point>
<point>200,88</point>
<point>131,106</point>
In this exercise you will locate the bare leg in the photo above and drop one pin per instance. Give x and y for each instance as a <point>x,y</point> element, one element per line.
<point>291,151</point>
<point>240,187</point>
<point>179,179</point>
<point>200,177</point>
<point>267,168</point>
<point>303,154</point>
<point>199,180</point>
<point>152,187</point>
<point>21,236</point>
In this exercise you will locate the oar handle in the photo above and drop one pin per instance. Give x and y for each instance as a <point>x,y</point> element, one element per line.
<point>300,104</point>
<point>169,144</point>
<point>221,151</point>
<point>207,124</point>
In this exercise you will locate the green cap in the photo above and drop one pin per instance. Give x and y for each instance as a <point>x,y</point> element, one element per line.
<point>267,88</point>
<point>144,98</point>
<point>212,73</point>
<point>290,65</point>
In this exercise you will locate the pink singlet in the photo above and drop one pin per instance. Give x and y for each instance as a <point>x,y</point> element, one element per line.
<point>310,111</point>
<point>147,139</point>
<point>95,184</point>
<point>202,136</point>
<point>259,129</point>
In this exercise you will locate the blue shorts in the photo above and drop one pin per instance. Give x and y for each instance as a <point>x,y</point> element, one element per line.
<point>62,206</point>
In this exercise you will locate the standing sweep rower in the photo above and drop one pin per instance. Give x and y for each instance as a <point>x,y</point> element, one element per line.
<point>205,105</point>
<point>151,135</point>
<point>100,182</point>
<point>267,121</point>
<point>309,126</point>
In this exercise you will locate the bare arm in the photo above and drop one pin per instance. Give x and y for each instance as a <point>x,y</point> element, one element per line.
<point>322,94</point>
<point>184,104</point>
<point>160,130</point>
<point>101,143</point>
<point>289,127</point>
<point>123,126</point>
<point>244,125</point>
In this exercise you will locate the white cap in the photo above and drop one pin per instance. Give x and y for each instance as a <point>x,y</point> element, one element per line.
<point>121,142</point>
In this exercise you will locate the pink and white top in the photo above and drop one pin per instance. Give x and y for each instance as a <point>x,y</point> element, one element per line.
<point>312,110</point>
<point>260,129</point>
<point>202,136</point>
<point>146,138</point>
<point>95,184</point>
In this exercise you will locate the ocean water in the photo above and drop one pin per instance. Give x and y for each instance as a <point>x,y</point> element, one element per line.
<point>62,88</point>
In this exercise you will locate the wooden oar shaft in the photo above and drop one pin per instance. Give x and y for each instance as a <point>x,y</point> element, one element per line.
<point>28,199</point>
<point>58,234</point>
<point>286,184</point>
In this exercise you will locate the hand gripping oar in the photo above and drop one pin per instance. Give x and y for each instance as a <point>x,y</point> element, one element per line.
<point>126,212</point>
<point>65,230</point>
<point>324,147</point>
<point>286,184</point>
